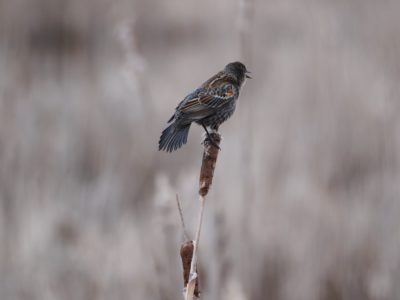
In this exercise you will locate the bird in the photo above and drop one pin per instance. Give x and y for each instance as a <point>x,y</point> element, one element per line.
<point>208,106</point>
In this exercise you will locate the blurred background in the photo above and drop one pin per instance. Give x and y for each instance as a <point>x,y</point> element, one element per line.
<point>305,201</point>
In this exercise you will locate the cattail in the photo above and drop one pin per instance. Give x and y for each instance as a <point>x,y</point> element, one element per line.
<point>210,156</point>
<point>209,161</point>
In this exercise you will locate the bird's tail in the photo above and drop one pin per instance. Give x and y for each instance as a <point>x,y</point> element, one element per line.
<point>173,137</point>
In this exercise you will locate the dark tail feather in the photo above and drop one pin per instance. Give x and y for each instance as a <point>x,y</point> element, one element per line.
<point>173,137</point>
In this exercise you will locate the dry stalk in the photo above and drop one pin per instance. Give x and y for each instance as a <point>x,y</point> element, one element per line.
<point>184,231</point>
<point>209,161</point>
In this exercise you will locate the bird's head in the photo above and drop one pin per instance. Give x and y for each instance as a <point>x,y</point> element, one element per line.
<point>238,71</point>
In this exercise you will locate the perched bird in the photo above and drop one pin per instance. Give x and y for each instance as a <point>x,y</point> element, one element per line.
<point>209,106</point>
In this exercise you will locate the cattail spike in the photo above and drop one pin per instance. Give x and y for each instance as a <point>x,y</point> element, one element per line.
<point>209,161</point>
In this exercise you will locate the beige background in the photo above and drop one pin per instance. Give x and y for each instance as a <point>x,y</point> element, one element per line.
<point>305,202</point>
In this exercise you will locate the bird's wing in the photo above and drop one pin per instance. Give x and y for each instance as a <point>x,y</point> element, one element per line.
<point>204,102</point>
<point>214,93</point>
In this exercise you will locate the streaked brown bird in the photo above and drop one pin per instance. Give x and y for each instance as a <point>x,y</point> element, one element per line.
<point>209,106</point>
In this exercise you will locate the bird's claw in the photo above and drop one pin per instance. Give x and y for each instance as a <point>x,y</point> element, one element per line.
<point>209,139</point>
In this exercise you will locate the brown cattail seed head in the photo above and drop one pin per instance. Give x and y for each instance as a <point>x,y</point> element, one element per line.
<point>210,156</point>
<point>187,249</point>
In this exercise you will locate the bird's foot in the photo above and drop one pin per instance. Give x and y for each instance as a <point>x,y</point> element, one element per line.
<point>212,142</point>
<point>209,139</point>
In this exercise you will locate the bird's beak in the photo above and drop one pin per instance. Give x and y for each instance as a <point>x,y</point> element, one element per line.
<point>247,74</point>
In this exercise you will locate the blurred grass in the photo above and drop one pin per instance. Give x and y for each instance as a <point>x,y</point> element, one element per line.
<point>87,203</point>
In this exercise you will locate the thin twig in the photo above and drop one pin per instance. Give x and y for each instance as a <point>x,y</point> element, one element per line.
<point>193,270</point>
<point>185,234</point>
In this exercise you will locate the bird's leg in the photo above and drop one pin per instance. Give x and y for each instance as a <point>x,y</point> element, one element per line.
<point>210,138</point>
